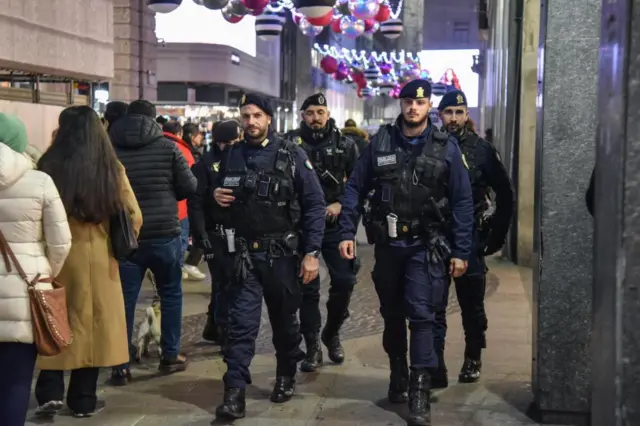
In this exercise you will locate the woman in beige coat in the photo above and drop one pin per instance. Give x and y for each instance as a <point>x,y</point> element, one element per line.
<point>93,187</point>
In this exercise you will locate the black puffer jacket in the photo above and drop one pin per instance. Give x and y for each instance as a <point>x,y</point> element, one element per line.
<point>158,173</point>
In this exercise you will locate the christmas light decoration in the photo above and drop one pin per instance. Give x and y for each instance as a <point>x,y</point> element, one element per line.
<point>365,57</point>
<point>269,25</point>
<point>391,28</point>
<point>163,6</point>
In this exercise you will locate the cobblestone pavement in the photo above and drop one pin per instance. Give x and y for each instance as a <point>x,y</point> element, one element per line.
<point>347,395</point>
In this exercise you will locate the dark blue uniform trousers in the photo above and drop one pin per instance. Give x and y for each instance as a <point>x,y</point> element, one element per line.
<point>470,291</point>
<point>409,288</point>
<point>343,279</point>
<point>277,281</point>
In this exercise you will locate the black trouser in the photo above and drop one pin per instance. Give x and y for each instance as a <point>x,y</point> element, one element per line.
<point>194,257</point>
<point>220,269</point>
<point>470,290</point>
<point>81,395</point>
<point>343,278</point>
<point>275,279</point>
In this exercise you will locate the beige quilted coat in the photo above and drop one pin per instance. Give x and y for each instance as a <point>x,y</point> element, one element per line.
<point>34,222</point>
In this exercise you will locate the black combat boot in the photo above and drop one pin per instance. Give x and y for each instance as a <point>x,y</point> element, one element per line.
<point>233,405</point>
<point>337,313</point>
<point>419,402</point>
<point>313,359</point>
<point>398,380</point>
<point>440,379</point>
<point>470,372</point>
<point>283,389</point>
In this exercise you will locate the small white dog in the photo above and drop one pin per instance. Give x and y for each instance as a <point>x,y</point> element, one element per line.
<point>149,331</point>
<point>150,327</point>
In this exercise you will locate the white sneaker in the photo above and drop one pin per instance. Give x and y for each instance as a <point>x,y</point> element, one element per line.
<point>193,273</point>
<point>49,409</point>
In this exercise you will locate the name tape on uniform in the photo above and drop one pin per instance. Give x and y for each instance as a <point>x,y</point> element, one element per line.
<point>231,181</point>
<point>387,160</point>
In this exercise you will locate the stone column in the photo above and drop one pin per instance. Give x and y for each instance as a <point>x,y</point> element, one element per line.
<point>616,308</point>
<point>562,290</point>
<point>412,19</point>
<point>527,146</point>
<point>135,47</point>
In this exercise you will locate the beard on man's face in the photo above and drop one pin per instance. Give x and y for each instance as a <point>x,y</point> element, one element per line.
<point>454,128</point>
<point>413,122</point>
<point>255,134</point>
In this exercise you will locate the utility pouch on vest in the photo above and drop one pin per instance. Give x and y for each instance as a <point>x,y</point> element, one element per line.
<point>250,181</point>
<point>263,186</point>
<point>282,160</point>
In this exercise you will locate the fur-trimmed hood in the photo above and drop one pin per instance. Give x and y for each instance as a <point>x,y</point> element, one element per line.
<point>355,131</point>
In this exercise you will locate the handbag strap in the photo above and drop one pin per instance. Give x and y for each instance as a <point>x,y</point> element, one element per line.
<point>7,254</point>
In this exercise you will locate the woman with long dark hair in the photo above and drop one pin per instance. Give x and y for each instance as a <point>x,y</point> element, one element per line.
<point>93,187</point>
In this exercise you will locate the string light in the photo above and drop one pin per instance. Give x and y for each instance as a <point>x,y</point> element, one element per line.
<point>278,5</point>
<point>365,57</point>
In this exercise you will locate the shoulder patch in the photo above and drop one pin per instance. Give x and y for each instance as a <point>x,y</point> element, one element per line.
<point>216,167</point>
<point>299,140</point>
<point>308,164</point>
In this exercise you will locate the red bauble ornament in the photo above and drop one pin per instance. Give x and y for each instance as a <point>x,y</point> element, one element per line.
<point>256,4</point>
<point>368,24</point>
<point>329,64</point>
<point>322,21</point>
<point>232,19</point>
<point>335,26</point>
<point>384,13</point>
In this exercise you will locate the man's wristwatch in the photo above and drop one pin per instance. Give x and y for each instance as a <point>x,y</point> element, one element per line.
<point>315,253</point>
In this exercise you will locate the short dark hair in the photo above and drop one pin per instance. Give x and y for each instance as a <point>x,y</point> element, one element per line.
<point>350,123</point>
<point>142,107</point>
<point>189,131</point>
<point>114,111</point>
<point>161,120</point>
<point>172,127</point>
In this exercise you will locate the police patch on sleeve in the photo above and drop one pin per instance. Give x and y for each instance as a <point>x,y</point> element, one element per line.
<point>308,164</point>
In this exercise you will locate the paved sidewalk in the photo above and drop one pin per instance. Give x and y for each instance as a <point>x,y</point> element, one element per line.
<point>347,395</point>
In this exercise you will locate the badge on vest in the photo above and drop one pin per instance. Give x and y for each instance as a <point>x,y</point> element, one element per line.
<point>386,160</point>
<point>231,181</point>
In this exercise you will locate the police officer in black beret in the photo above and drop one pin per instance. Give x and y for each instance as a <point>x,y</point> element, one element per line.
<point>270,192</point>
<point>205,217</point>
<point>486,172</point>
<point>333,157</point>
<point>417,174</point>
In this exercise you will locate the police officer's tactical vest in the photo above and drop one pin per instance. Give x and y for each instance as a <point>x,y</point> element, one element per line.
<point>405,184</point>
<point>474,155</point>
<point>330,159</point>
<point>266,202</point>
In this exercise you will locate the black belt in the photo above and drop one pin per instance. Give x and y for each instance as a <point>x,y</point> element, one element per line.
<point>408,229</point>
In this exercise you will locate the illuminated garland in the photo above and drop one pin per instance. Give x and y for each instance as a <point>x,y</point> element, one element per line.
<point>279,5</point>
<point>365,57</point>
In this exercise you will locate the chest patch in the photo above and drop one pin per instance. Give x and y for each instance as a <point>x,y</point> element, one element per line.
<point>231,181</point>
<point>387,160</point>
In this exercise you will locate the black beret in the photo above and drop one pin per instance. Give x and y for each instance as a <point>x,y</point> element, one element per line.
<point>453,98</point>
<point>314,100</point>
<point>257,100</point>
<point>416,89</point>
<point>226,131</point>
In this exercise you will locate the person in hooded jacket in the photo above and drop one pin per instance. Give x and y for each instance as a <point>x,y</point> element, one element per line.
<point>34,223</point>
<point>359,136</point>
<point>159,176</point>
<point>173,130</point>
<point>115,111</point>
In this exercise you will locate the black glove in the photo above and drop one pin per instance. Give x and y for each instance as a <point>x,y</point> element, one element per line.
<point>208,249</point>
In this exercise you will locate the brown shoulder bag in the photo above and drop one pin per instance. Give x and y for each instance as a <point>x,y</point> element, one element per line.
<point>49,317</point>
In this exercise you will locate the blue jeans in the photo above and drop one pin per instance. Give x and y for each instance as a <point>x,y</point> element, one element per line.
<point>163,258</point>
<point>17,361</point>
<point>184,238</point>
